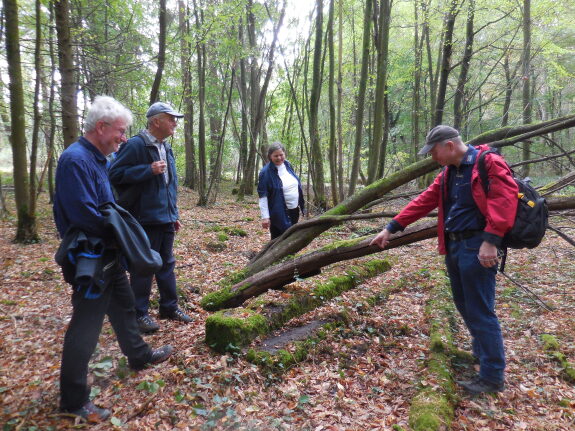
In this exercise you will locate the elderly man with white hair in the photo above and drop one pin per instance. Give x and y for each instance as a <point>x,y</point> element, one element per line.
<point>82,186</point>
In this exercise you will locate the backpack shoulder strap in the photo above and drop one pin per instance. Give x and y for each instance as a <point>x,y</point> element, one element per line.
<point>482,170</point>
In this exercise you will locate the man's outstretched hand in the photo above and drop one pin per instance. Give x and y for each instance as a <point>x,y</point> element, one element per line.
<point>381,239</point>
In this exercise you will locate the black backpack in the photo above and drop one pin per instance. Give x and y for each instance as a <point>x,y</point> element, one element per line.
<point>532,213</point>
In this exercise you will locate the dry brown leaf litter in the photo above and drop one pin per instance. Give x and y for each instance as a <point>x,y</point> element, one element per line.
<point>360,378</point>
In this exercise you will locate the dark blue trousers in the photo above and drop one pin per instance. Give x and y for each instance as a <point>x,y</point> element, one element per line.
<point>162,240</point>
<point>293,215</point>
<point>117,301</point>
<point>473,288</point>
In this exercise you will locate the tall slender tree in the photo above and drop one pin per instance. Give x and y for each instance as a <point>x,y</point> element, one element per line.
<point>185,64</point>
<point>360,97</point>
<point>445,69</point>
<point>315,92</point>
<point>68,84</point>
<point>26,230</point>
<point>527,79</point>
<point>332,118</point>
<point>381,114</point>
<point>458,99</point>
<point>155,91</point>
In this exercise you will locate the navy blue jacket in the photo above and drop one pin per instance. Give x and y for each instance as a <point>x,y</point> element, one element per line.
<point>147,196</point>
<point>270,186</point>
<point>82,185</point>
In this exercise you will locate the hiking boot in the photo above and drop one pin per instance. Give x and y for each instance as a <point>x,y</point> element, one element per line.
<point>91,413</point>
<point>157,356</point>
<point>147,325</point>
<point>177,315</point>
<point>479,385</point>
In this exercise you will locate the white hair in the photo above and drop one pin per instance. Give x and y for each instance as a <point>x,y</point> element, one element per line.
<point>106,108</point>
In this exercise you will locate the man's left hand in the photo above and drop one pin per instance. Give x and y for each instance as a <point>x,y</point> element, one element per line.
<point>488,255</point>
<point>177,225</point>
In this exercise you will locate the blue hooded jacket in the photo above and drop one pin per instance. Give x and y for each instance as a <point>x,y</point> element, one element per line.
<point>147,196</point>
<point>270,186</point>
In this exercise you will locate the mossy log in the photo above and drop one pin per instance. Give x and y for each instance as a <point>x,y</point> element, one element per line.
<point>293,241</point>
<point>233,295</point>
<point>231,329</point>
<point>288,271</point>
<point>433,407</point>
<point>551,346</point>
<point>283,359</point>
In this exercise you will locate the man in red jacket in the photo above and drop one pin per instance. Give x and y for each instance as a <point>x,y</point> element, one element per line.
<point>471,226</point>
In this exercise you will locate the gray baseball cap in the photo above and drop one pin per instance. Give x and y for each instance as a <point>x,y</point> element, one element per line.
<point>438,134</point>
<point>161,107</point>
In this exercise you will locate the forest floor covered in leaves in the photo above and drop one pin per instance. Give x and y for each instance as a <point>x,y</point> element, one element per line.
<point>362,376</point>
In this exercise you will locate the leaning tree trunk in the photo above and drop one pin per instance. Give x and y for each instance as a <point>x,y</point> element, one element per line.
<point>311,263</point>
<point>288,244</point>
<point>26,231</point>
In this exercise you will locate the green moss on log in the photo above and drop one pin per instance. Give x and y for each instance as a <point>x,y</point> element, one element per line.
<point>229,329</point>
<point>549,342</point>
<point>277,315</point>
<point>432,409</point>
<point>551,345</point>
<point>283,359</point>
<point>212,301</point>
<point>343,243</point>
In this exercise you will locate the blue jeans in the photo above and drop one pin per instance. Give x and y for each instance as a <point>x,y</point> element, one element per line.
<point>162,240</point>
<point>116,301</point>
<point>473,288</point>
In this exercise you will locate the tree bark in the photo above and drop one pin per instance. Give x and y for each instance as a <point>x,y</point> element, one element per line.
<point>315,144</point>
<point>26,230</point>
<point>417,75</point>
<point>340,175</point>
<point>527,78</point>
<point>360,104</point>
<point>185,64</point>
<point>37,120</point>
<point>377,148</point>
<point>332,111</point>
<point>445,61</point>
<point>68,100</point>
<point>155,91</point>
<point>201,59</point>
<point>459,96</point>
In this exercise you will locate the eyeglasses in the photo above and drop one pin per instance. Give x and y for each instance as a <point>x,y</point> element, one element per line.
<point>120,130</point>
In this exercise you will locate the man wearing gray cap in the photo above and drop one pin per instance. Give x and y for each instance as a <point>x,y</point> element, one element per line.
<point>144,176</point>
<point>471,225</point>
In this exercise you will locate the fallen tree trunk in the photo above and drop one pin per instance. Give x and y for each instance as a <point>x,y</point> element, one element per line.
<point>294,240</point>
<point>288,271</point>
<point>293,269</point>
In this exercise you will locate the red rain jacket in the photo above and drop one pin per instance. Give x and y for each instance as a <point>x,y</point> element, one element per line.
<point>498,207</point>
